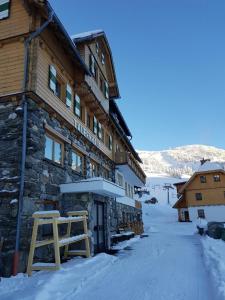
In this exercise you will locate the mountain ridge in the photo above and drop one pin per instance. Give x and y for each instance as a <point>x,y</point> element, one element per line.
<point>179,161</point>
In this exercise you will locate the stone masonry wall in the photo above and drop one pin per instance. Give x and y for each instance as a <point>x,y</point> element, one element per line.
<point>42,180</point>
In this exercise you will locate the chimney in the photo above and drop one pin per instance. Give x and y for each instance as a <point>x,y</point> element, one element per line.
<point>204,161</point>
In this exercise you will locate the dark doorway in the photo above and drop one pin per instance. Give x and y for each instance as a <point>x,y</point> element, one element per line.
<point>186,216</point>
<point>99,227</point>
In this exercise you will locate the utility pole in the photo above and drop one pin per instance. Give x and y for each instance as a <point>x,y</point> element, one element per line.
<point>168,186</point>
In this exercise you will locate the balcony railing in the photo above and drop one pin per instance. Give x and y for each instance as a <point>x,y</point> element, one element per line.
<point>122,158</point>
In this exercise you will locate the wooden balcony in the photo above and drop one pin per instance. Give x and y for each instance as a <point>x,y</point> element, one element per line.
<point>125,158</point>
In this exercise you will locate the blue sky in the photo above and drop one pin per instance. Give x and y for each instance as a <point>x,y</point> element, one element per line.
<point>169,57</point>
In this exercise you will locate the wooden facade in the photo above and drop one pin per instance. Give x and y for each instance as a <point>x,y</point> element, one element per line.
<point>203,195</point>
<point>72,133</point>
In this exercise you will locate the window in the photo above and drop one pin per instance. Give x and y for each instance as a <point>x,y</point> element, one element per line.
<point>92,66</point>
<point>201,213</point>
<point>77,162</point>
<point>97,47</point>
<point>100,131</point>
<point>55,83</point>
<point>216,178</point>
<point>68,96</point>
<point>4,9</point>
<point>203,179</point>
<point>52,78</point>
<point>95,125</point>
<point>77,107</point>
<point>106,89</point>
<point>198,196</point>
<point>93,170</point>
<point>53,149</point>
<point>103,59</point>
<point>119,180</point>
<point>88,121</point>
<point>110,142</point>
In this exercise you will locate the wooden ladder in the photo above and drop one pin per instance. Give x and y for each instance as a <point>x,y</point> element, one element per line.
<point>53,217</point>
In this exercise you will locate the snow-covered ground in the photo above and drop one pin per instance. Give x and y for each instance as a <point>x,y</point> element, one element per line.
<point>169,264</point>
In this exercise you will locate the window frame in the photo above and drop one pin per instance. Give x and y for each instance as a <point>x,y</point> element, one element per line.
<point>9,11</point>
<point>216,176</point>
<point>95,125</point>
<point>54,140</point>
<point>76,97</point>
<point>81,156</point>
<point>198,196</point>
<point>203,179</point>
<point>201,213</point>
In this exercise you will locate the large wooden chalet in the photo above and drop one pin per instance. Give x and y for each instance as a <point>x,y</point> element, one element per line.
<point>64,143</point>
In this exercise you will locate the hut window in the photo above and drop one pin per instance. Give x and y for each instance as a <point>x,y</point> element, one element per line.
<point>203,179</point>
<point>54,82</point>
<point>198,196</point>
<point>77,162</point>
<point>92,66</point>
<point>201,213</point>
<point>68,96</point>
<point>103,59</point>
<point>106,89</point>
<point>53,149</point>
<point>216,178</point>
<point>4,9</point>
<point>97,47</point>
<point>100,131</point>
<point>95,125</point>
<point>77,107</point>
<point>93,169</point>
<point>88,121</point>
<point>110,142</point>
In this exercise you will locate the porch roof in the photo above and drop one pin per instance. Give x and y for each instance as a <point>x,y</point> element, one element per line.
<point>97,185</point>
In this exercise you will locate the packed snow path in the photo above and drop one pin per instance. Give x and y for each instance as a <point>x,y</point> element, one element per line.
<point>167,265</point>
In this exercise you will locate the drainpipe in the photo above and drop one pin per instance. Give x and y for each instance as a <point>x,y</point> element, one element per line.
<point>24,138</point>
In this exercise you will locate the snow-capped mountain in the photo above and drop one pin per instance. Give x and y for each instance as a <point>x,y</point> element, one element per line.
<point>180,161</point>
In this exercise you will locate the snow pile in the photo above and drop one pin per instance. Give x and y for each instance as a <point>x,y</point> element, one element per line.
<point>63,284</point>
<point>214,252</point>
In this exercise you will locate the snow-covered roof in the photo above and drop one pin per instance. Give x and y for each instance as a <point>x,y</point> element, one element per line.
<point>210,166</point>
<point>86,34</point>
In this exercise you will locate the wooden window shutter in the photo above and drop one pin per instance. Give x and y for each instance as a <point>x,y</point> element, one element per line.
<point>4,9</point>
<point>68,95</point>
<point>77,108</point>
<point>106,90</point>
<point>52,78</point>
<point>95,125</point>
